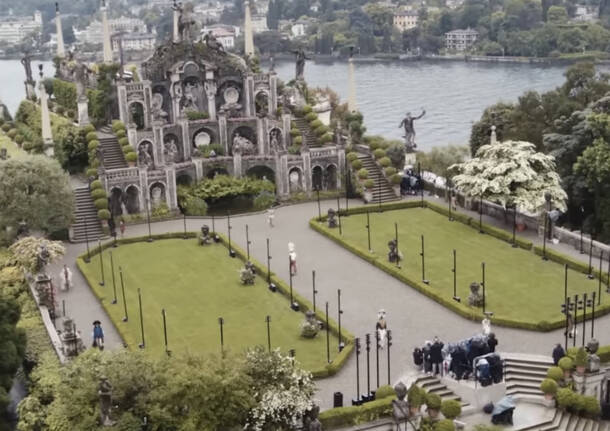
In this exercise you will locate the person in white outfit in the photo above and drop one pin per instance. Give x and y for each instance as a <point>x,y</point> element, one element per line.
<point>382,328</point>
<point>66,278</point>
<point>270,216</point>
<point>292,255</point>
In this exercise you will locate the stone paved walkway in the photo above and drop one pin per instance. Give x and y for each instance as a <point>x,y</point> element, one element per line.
<point>412,316</point>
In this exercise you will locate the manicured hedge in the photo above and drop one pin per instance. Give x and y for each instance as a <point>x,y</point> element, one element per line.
<point>284,289</point>
<point>354,415</point>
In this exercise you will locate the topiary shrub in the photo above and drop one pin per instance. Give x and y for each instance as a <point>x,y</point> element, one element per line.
<point>117,125</point>
<point>295,132</point>
<point>451,409</point>
<point>298,140</point>
<point>591,407</point>
<point>379,153</point>
<point>389,171</point>
<point>369,184</point>
<point>315,124</point>
<point>19,139</point>
<point>578,403</point>
<point>93,145</point>
<point>548,387</point>
<point>91,136</point>
<point>433,401</point>
<point>6,127</point>
<point>120,133</point>
<point>103,214</point>
<point>357,164</point>
<point>101,204</point>
<point>385,162</point>
<point>320,130</point>
<point>444,425</point>
<point>396,179</point>
<point>123,141</point>
<point>131,157</point>
<point>88,129</point>
<point>351,157</point>
<point>194,206</point>
<point>97,184</point>
<point>263,200</point>
<point>555,373</point>
<point>374,145</point>
<point>566,363</point>
<point>312,116</point>
<point>416,396</point>
<point>98,194</point>
<point>127,149</point>
<point>326,138</point>
<point>363,174</point>
<point>306,109</point>
<point>91,172</point>
<point>385,391</point>
<point>565,398</point>
<point>581,358</point>
<point>12,133</point>
<point>27,146</point>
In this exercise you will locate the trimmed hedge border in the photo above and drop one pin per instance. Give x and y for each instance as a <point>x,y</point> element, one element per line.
<point>354,415</point>
<point>470,313</point>
<point>304,305</point>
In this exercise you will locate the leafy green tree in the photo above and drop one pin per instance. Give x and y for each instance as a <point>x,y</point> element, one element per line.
<point>557,15</point>
<point>499,115</point>
<point>36,190</point>
<point>438,159</point>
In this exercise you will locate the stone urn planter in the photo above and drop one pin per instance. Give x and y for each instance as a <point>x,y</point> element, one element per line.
<point>396,188</point>
<point>367,195</point>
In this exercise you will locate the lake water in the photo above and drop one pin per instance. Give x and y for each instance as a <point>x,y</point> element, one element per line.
<point>454,94</point>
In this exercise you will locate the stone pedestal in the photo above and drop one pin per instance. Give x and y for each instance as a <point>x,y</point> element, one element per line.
<point>83,113</point>
<point>210,91</point>
<point>237,165</point>
<point>590,384</point>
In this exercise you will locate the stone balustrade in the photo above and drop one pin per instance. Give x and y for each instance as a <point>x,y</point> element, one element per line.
<point>123,174</point>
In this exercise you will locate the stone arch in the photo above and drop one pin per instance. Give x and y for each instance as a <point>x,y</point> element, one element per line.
<point>184,179</point>
<point>261,103</point>
<point>218,170</point>
<point>116,201</point>
<point>145,154</point>
<point>317,177</point>
<point>330,177</point>
<point>156,194</point>
<point>250,136</point>
<point>136,114</point>
<point>295,180</point>
<point>203,137</point>
<point>261,172</point>
<point>132,199</point>
<point>172,149</point>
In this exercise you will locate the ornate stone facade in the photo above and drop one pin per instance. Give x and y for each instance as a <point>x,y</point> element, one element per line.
<point>193,98</point>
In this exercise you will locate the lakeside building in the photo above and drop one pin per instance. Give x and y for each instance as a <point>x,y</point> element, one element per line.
<point>13,29</point>
<point>405,20</point>
<point>225,34</point>
<point>460,40</point>
<point>134,41</point>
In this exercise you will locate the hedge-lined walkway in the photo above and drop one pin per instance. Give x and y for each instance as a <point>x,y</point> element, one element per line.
<point>365,289</point>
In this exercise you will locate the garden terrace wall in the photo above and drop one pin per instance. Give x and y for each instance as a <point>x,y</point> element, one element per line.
<point>472,314</point>
<point>332,368</point>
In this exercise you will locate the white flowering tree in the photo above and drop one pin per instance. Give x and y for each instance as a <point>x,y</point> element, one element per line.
<point>26,251</point>
<point>511,173</point>
<point>282,390</point>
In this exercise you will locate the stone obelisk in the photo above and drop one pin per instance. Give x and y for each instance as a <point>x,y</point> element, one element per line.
<point>61,49</point>
<point>248,37</point>
<point>45,120</point>
<point>106,35</point>
<point>351,97</point>
<point>177,10</point>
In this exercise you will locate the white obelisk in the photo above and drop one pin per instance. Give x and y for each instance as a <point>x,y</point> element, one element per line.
<point>106,34</point>
<point>45,120</point>
<point>61,49</point>
<point>248,37</point>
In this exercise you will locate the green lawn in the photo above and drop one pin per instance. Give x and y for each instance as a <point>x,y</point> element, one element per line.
<point>197,285</point>
<point>520,286</point>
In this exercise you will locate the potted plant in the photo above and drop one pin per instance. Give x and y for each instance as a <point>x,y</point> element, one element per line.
<point>416,398</point>
<point>565,398</point>
<point>580,361</point>
<point>592,407</point>
<point>131,158</point>
<point>104,216</point>
<point>433,406</point>
<point>549,389</point>
<point>444,425</point>
<point>396,179</point>
<point>566,364</point>
<point>369,185</point>
<point>451,409</point>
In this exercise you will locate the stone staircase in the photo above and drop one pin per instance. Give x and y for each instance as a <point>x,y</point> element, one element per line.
<point>435,386</point>
<point>113,154</point>
<point>309,137</point>
<point>381,193</point>
<point>563,421</point>
<point>85,210</point>
<point>524,375</point>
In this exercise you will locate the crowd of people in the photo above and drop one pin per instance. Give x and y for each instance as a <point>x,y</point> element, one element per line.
<point>411,183</point>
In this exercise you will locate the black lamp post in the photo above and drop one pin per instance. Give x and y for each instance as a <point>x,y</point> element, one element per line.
<point>313,282</point>
<point>389,335</point>
<point>450,199</point>
<point>591,304</point>
<point>590,271</point>
<point>481,214</point>
<point>213,225</point>
<point>99,245</point>
<point>575,318</point>
<point>229,233</point>
<point>268,265</point>
<point>547,198</point>
<point>396,240</point>
<point>565,309</point>
<point>599,276</point>
<point>584,317</point>
<point>327,336</point>
<point>221,323</point>
<point>319,207</point>
<point>126,316</point>
<point>184,222</point>
<point>143,343</point>
<point>454,271</point>
<point>347,184</point>
<point>421,181</point>
<point>248,242</point>
<point>368,230</point>
<point>290,278</point>
<point>514,225</point>
<point>268,321</point>
<point>356,401</point>
<point>483,284</point>
<point>150,239</point>
<point>339,215</point>
<point>368,366</point>
<point>339,312</point>
<point>582,225</point>
<point>87,258</point>
<point>423,263</point>
<point>114,301</point>
<point>167,351</point>
<point>377,354</point>
<point>608,276</point>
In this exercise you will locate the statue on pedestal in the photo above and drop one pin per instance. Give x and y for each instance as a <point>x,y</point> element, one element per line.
<point>300,64</point>
<point>80,73</point>
<point>213,43</point>
<point>332,220</point>
<point>42,258</point>
<point>26,61</point>
<point>407,123</point>
<point>475,299</point>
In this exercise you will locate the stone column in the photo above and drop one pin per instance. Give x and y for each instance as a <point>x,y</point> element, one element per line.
<point>351,99</point>
<point>261,131</point>
<point>175,98</point>
<point>272,94</point>
<point>248,37</point>
<point>45,120</point>
<point>210,91</point>
<point>198,169</point>
<point>237,165</point>
<point>249,96</point>
<point>222,132</point>
<point>132,136</point>
<point>158,144</point>
<point>171,196</point>
<point>176,18</point>
<point>144,194</point>
<point>106,35</point>
<point>281,178</point>
<point>187,146</point>
<point>341,165</point>
<point>61,50</point>
<point>286,119</point>
<point>306,169</point>
<point>122,100</point>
